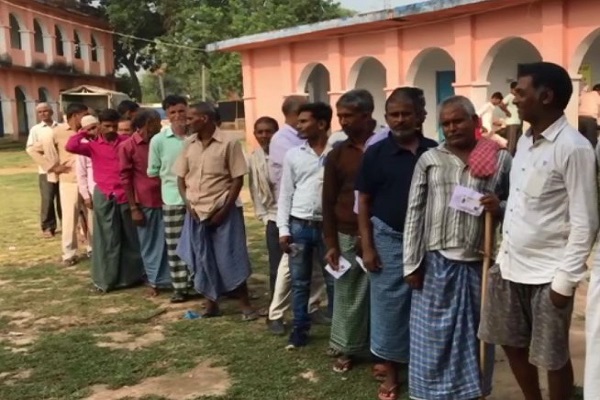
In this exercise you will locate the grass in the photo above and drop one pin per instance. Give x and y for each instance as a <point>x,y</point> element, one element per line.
<point>50,324</point>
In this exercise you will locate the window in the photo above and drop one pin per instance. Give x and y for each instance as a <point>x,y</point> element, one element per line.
<point>60,46</point>
<point>15,33</point>
<point>94,50</point>
<point>77,43</point>
<point>38,37</point>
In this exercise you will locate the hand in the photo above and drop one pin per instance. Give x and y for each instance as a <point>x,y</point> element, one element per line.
<point>508,113</point>
<point>491,203</point>
<point>284,243</point>
<point>88,203</point>
<point>358,246</point>
<point>415,280</point>
<point>333,258</point>
<point>191,211</point>
<point>371,259</point>
<point>138,217</point>
<point>61,169</point>
<point>559,300</point>
<point>218,218</point>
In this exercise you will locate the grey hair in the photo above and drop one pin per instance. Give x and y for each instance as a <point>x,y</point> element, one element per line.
<point>458,101</point>
<point>359,99</point>
<point>43,105</point>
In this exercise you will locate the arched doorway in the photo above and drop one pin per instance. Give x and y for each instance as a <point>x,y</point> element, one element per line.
<point>22,116</point>
<point>369,73</point>
<point>77,45</point>
<point>16,39</point>
<point>433,70</point>
<point>314,81</point>
<point>94,49</point>
<point>585,61</point>
<point>38,37</point>
<point>59,41</point>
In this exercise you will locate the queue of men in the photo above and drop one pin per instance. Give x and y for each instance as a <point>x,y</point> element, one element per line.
<point>375,223</point>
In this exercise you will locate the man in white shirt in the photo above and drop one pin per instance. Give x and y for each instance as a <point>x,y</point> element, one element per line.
<point>48,183</point>
<point>486,112</point>
<point>514,125</point>
<point>589,112</point>
<point>550,223</point>
<point>299,214</point>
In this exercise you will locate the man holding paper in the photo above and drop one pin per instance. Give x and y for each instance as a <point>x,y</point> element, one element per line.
<point>350,324</point>
<point>443,237</point>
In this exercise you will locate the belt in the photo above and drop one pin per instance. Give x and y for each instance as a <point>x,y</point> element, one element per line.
<point>307,222</point>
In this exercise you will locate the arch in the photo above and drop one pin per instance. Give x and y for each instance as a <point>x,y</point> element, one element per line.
<point>44,95</point>
<point>499,66</point>
<point>370,74</point>
<point>586,55</point>
<point>314,80</point>
<point>59,39</point>
<point>433,70</point>
<point>94,49</point>
<point>76,45</point>
<point>22,115</point>
<point>38,37</point>
<point>16,31</point>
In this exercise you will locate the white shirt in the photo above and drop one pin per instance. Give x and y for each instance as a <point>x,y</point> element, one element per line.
<point>36,133</point>
<point>589,104</point>
<point>301,187</point>
<point>552,210</point>
<point>512,108</point>
<point>486,113</point>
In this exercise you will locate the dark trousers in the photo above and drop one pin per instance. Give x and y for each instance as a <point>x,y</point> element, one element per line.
<point>513,134</point>
<point>275,253</point>
<point>588,126</point>
<point>50,210</point>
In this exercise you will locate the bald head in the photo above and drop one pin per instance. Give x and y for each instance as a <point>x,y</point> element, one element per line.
<point>44,113</point>
<point>290,108</point>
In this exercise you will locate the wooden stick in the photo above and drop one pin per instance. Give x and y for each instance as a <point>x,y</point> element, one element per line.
<point>488,248</point>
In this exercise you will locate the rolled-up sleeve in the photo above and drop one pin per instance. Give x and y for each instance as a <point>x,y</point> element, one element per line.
<point>76,145</point>
<point>154,159</point>
<point>580,181</point>
<point>286,195</point>
<point>126,165</point>
<point>414,226</point>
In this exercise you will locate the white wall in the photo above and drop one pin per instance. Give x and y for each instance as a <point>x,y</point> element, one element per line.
<point>372,78</point>
<point>317,85</point>
<point>504,67</point>
<point>425,79</point>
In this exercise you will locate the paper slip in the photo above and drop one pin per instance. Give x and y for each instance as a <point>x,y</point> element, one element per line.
<point>466,200</point>
<point>361,264</point>
<point>344,267</point>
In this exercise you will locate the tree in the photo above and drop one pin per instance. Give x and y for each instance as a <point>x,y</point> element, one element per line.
<point>151,87</point>
<point>196,23</point>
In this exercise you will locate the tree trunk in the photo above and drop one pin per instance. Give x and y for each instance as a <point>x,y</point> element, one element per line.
<point>135,81</point>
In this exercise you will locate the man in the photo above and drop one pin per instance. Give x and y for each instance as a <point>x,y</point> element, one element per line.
<point>443,260</point>
<point>145,202</point>
<point>165,148</point>
<point>486,113</point>
<point>85,181</point>
<point>589,113</point>
<point>286,138</point>
<point>350,324</point>
<point>263,195</point>
<point>116,260</point>
<point>127,109</point>
<point>383,184</point>
<point>299,214</point>
<point>210,174</point>
<point>549,227</point>
<point>59,161</point>
<point>48,183</point>
<point>514,125</point>
<point>124,127</point>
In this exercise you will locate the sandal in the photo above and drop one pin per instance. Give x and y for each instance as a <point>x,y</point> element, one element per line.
<point>379,372</point>
<point>342,364</point>
<point>333,353</point>
<point>249,315</point>
<point>388,393</point>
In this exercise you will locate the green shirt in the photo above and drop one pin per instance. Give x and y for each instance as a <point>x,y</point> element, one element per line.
<point>165,148</point>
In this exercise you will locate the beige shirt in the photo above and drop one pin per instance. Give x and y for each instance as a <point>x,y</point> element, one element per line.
<point>589,104</point>
<point>36,134</point>
<point>55,153</point>
<point>209,171</point>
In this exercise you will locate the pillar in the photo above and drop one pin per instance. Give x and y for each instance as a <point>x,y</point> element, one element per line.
<point>249,97</point>
<point>393,61</point>
<point>573,107</point>
<point>101,60</point>
<point>68,50</point>
<point>26,43</point>
<point>31,113</point>
<point>8,116</point>
<point>49,48</point>
<point>85,56</point>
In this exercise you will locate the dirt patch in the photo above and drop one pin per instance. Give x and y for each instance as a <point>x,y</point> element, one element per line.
<point>114,310</point>
<point>18,318</point>
<point>4,283</point>
<point>127,341</point>
<point>18,342</point>
<point>204,380</point>
<point>12,378</point>
<point>310,376</point>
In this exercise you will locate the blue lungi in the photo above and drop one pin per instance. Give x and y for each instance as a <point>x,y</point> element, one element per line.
<point>217,257</point>
<point>153,247</point>
<point>390,297</point>
<point>444,359</point>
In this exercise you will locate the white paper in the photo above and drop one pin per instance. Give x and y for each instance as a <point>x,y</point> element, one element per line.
<point>466,200</point>
<point>361,264</point>
<point>344,266</point>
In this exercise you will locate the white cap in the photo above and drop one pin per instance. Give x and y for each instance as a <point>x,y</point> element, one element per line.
<point>88,120</point>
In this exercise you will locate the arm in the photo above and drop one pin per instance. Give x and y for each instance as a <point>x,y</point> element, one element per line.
<point>414,246</point>
<point>126,168</point>
<point>580,181</point>
<point>330,194</point>
<point>77,146</point>
<point>154,159</point>
<point>238,167</point>
<point>82,178</point>
<point>286,196</point>
<point>259,209</point>
<point>276,158</point>
<point>504,182</point>
<point>366,190</point>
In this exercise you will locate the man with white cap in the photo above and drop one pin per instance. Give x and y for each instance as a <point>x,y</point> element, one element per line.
<point>50,210</point>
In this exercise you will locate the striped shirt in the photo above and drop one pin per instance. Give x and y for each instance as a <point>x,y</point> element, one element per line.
<point>430,224</point>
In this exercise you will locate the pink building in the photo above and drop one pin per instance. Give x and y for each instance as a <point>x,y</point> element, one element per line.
<point>46,47</point>
<point>468,47</point>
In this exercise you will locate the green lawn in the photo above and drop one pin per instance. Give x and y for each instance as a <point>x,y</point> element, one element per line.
<point>50,324</point>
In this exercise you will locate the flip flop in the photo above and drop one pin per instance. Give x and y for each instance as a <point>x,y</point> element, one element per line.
<point>379,372</point>
<point>388,393</point>
<point>342,365</point>
<point>248,316</point>
<point>333,353</point>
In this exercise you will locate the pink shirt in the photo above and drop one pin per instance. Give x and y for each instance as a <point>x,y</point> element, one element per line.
<point>105,162</point>
<point>85,176</point>
<point>133,158</point>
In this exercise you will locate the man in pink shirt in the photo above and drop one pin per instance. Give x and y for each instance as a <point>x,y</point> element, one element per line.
<point>116,260</point>
<point>145,199</point>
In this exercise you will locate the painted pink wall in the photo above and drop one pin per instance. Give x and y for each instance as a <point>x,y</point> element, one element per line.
<point>561,31</point>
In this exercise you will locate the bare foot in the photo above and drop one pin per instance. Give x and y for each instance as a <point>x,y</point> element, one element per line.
<point>153,292</point>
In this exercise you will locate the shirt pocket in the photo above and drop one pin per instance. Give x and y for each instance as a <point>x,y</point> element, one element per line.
<point>535,182</point>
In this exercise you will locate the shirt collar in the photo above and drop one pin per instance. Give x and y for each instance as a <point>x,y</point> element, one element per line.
<point>137,138</point>
<point>169,132</point>
<point>217,136</point>
<point>552,132</point>
<point>52,125</point>
<point>394,148</point>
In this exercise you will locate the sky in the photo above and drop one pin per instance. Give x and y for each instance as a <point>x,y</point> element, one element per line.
<point>374,5</point>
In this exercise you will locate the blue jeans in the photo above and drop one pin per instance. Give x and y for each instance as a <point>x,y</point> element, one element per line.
<point>307,238</point>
